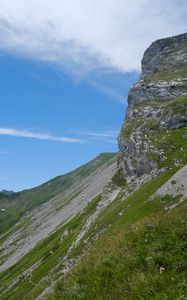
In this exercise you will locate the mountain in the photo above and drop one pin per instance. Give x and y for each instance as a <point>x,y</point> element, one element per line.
<point>156,118</point>
<point>7,193</point>
<point>37,212</point>
<point>116,227</point>
<point>72,183</point>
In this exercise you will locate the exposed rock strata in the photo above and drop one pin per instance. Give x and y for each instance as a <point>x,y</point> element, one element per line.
<point>157,102</point>
<point>165,56</point>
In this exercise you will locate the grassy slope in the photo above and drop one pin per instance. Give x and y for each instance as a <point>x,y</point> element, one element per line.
<point>48,255</point>
<point>141,236</point>
<point>137,241</point>
<point>49,252</point>
<point>28,199</point>
<point>125,262</point>
<point>177,71</point>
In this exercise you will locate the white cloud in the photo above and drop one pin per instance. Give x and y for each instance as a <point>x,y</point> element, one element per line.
<point>85,35</point>
<point>39,136</point>
<point>108,136</point>
<point>103,134</point>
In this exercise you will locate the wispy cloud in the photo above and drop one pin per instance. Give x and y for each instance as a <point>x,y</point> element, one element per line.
<point>39,136</point>
<point>108,136</point>
<point>102,134</point>
<point>85,35</point>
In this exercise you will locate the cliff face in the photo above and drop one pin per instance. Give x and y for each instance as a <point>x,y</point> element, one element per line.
<point>156,118</point>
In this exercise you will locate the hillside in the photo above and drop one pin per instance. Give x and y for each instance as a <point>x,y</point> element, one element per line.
<point>19,203</point>
<point>126,236</point>
<point>142,252</point>
<point>37,212</point>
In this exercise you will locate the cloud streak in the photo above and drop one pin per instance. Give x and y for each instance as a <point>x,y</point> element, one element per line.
<point>86,36</point>
<point>40,136</point>
<point>109,136</point>
<point>105,134</point>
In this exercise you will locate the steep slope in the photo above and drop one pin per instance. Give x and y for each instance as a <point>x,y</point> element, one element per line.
<point>48,206</point>
<point>130,241</point>
<point>142,251</point>
<point>19,203</point>
<point>141,254</point>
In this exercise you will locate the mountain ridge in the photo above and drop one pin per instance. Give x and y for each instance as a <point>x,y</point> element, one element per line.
<point>20,202</point>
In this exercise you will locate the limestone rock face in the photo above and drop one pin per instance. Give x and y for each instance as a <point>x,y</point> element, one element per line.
<point>165,56</point>
<point>158,90</point>
<point>157,107</point>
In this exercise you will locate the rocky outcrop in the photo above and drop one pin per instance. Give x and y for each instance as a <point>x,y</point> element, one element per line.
<point>165,56</point>
<point>156,104</point>
<point>157,90</point>
<point>176,186</point>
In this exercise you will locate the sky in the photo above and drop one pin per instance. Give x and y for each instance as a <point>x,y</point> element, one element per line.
<point>65,70</point>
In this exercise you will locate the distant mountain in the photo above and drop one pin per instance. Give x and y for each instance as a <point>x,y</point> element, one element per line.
<point>35,213</point>
<point>7,193</point>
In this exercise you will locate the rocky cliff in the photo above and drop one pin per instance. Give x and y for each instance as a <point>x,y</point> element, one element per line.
<point>156,118</point>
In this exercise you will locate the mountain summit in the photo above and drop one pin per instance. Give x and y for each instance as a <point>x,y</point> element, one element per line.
<point>157,108</point>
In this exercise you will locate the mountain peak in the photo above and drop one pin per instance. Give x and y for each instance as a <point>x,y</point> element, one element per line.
<point>164,57</point>
<point>157,105</point>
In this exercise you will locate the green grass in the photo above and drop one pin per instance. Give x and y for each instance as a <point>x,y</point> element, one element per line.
<point>9,218</point>
<point>139,235</point>
<point>123,258</point>
<point>100,274</point>
<point>133,250</point>
<point>29,199</point>
<point>173,71</point>
<point>118,179</point>
<point>173,146</point>
<point>51,250</point>
<point>48,254</point>
<point>178,106</point>
<point>170,146</point>
<point>130,127</point>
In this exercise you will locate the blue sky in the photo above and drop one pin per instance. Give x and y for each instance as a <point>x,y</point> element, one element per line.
<point>65,70</point>
<point>36,98</point>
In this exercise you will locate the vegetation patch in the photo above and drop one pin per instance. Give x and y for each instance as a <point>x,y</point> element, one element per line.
<point>30,199</point>
<point>118,179</point>
<point>178,106</point>
<point>172,71</point>
<point>172,147</point>
<point>142,257</point>
<point>22,281</point>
